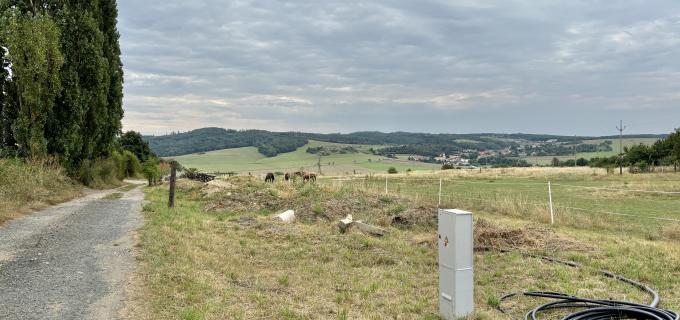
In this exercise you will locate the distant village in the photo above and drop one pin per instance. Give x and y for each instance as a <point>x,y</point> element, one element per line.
<point>470,157</point>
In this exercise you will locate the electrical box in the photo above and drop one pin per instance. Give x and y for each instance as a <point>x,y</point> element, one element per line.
<point>456,276</point>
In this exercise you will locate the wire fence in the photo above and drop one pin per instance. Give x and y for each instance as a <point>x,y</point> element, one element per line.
<point>553,202</point>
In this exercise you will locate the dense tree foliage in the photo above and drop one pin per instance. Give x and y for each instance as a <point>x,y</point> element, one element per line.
<point>132,141</point>
<point>665,152</point>
<point>61,80</point>
<point>208,139</point>
<point>32,40</point>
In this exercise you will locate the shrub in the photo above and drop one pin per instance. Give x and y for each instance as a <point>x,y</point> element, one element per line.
<point>151,171</point>
<point>121,166</point>
<point>392,170</point>
<point>99,173</point>
<point>132,165</point>
<point>447,166</point>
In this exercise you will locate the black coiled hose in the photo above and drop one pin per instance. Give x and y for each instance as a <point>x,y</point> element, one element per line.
<point>592,309</point>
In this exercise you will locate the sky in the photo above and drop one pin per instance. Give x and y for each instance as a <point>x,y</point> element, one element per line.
<point>568,67</point>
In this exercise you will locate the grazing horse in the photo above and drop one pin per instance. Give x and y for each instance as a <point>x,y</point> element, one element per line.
<point>269,177</point>
<point>286,176</point>
<point>309,176</point>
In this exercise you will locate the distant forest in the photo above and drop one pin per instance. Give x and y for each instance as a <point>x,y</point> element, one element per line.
<point>273,143</point>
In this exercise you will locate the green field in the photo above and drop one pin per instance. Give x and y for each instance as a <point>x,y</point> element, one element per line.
<point>546,160</point>
<point>242,160</point>
<point>587,196</point>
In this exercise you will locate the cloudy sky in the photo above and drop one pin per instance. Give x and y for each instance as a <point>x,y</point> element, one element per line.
<point>457,66</point>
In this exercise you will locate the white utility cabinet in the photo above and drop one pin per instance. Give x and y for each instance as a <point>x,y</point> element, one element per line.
<point>456,277</point>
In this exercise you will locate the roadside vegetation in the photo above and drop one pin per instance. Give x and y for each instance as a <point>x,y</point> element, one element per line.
<point>221,254</point>
<point>61,103</point>
<point>26,186</point>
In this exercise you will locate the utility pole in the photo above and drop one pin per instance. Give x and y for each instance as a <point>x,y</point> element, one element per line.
<point>621,128</point>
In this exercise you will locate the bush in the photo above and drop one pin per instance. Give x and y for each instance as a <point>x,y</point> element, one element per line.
<point>132,165</point>
<point>99,173</point>
<point>392,170</point>
<point>121,166</point>
<point>447,166</point>
<point>151,171</point>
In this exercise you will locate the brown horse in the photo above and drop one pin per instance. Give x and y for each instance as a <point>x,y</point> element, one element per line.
<point>286,176</point>
<point>309,176</point>
<point>269,177</point>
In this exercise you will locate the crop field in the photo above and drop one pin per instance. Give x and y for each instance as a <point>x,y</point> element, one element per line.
<point>248,159</point>
<point>629,142</point>
<point>220,254</point>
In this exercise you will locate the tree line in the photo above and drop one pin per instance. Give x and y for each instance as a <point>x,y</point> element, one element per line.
<point>61,87</point>
<point>208,139</point>
<point>642,157</point>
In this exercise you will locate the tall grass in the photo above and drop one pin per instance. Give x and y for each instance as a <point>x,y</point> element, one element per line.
<point>30,184</point>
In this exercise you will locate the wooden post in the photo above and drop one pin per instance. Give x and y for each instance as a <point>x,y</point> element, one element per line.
<point>552,213</point>
<point>173,178</point>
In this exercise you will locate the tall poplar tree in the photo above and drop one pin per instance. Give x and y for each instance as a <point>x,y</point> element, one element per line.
<point>32,40</point>
<point>108,21</point>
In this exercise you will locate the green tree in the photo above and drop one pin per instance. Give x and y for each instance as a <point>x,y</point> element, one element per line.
<point>81,111</point>
<point>108,18</point>
<point>555,162</point>
<point>8,109</point>
<point>674,146</point>
<point>151,171</point>
<point>132,141</point>
<point>32,40</point>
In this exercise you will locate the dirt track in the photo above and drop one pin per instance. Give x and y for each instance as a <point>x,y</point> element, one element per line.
<point>70,261</point>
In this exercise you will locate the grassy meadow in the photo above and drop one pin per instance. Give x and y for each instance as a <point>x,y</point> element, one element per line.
<point>248,159</point>
<point>581,196</point>
<point>220,254</point>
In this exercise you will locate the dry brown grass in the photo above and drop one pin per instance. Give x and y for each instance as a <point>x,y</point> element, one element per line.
<point>243,265</point>
<point>31,185</point>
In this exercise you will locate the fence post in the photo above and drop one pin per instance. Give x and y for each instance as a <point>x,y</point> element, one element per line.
<point>385,185</point>
<point>440,193</point>
<point>552,213</point>
<point>173,178</point>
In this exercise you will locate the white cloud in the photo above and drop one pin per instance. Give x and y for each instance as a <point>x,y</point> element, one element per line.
<point>398,65</point>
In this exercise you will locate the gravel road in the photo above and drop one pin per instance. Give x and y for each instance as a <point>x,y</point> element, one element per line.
<point>71,261</point>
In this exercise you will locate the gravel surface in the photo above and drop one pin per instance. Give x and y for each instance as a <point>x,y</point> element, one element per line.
<point>70,261</point>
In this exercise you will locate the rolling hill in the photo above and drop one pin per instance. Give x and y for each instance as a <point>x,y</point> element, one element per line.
<point>273,143</point>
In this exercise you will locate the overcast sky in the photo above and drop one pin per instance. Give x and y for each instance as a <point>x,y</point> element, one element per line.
<point>459,66</point>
